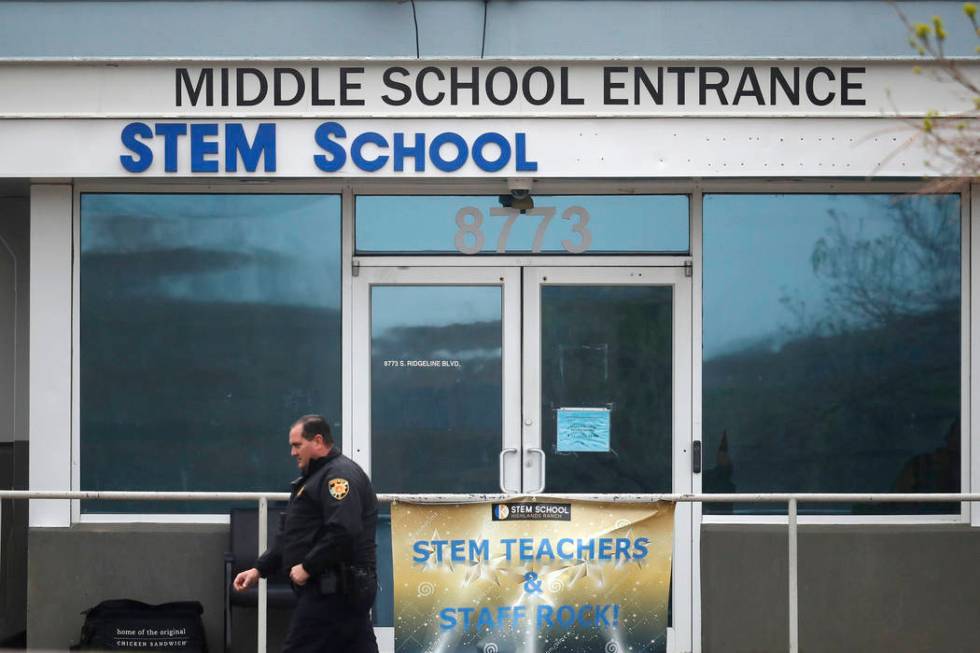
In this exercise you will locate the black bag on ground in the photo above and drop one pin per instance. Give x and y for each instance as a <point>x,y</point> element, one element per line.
<point>127,625</point>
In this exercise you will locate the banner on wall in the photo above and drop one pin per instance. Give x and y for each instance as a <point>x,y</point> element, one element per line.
<point>532,575</point>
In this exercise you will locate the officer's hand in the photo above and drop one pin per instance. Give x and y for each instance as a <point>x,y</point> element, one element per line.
<point>246,579</point>
<point>298,574</point>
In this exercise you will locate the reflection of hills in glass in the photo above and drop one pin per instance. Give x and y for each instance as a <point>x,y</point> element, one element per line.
<point>199,274</point>
<point>199,396</point>
<point>861,391</point>
<point>208,324</point>
<point>438,428</point>
<point>609,346</point>
<point>835,413</point>
<point>250,248</point>
<point>476,345</point>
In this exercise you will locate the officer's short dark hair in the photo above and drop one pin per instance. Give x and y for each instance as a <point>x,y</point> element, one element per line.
<point>314,425</point>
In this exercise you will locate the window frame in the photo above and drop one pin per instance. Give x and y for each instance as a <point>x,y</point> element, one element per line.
<point>968,451</point>
<point>221,188</point>
<point>585,258</point>
<point>695,189</point>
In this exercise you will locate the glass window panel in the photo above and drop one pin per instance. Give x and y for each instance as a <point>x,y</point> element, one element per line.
<point>602,224</point>
<point>436,388</point>
<point>384,604</point>
<point>832,346</point>
<point>208,324</point>
<point>608,347</point>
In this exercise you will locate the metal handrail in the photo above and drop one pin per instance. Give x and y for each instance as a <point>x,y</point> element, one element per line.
<point>792,500</point>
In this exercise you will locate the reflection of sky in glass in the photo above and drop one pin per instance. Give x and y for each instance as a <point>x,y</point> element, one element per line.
<point>414,306</point>
<point>451,407</point>
<point>618,223</point>
<point>207,324</point>
<point>281,249</point>
<point>758,251</point>
<point>832,355</point>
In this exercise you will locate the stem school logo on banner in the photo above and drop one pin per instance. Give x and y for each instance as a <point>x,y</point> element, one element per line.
<point>532,577</point>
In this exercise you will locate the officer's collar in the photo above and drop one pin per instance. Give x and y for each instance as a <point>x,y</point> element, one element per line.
<point>316,463</point>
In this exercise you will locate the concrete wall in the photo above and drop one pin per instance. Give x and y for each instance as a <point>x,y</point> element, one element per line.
<point>862,589</point>
<point>72,569</point>
<point>14,331</point>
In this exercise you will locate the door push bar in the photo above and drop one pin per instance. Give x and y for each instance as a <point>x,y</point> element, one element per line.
<point>503,455</point>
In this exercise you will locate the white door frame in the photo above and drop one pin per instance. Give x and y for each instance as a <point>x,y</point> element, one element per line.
<point>521,323</point>
<point>684,556</point>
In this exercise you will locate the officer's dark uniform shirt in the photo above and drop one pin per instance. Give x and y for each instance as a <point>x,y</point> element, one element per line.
<point>330,521</point>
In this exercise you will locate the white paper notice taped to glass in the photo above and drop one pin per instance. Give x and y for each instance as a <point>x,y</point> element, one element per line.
<point>583,430</point>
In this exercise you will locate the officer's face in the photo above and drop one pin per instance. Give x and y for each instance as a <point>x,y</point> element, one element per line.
<point>304,450</point>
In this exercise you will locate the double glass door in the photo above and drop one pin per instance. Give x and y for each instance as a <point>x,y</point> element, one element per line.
<point>528,380</point>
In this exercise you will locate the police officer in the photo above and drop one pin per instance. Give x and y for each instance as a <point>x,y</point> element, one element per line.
<point>326,545</point>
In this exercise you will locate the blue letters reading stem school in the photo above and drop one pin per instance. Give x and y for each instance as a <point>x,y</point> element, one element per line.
<point>222,147</point>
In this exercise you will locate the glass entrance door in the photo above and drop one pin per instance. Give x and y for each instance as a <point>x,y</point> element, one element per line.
<point>437,379</point>
<point>607,394</point>
<point>557,380</point>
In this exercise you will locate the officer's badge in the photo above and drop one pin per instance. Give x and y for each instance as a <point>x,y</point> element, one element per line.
<point>338,487</point>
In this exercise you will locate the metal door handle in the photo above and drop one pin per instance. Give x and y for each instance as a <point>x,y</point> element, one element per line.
<point>503,454</point>
<point>540,487</point>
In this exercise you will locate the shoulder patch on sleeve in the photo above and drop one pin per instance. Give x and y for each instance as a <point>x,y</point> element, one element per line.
<point>339,487</point>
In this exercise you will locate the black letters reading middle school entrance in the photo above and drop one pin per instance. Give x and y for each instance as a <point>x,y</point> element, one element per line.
<point>502,86</point>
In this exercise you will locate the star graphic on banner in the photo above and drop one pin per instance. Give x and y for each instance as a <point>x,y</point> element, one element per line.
<point>482,568</point>
<point>498,570</point>
<point>430,560</point>
<point>570,574</point>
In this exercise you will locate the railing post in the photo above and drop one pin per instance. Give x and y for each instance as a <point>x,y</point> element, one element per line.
<point>263,583</point>
<point>794,594</point>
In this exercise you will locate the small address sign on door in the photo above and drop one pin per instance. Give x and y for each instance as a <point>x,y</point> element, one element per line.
<point>471,239</point>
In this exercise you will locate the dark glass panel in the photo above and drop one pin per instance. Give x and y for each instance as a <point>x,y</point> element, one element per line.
<point>436,388</point>
<point>832,346</point>
<point>609,347</point>
<point>208,324</point>
<point>420,224</point>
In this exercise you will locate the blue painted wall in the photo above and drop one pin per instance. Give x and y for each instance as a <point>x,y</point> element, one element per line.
<point>454,28</point>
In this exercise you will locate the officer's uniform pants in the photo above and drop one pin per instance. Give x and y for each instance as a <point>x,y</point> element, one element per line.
<point>329,623</point>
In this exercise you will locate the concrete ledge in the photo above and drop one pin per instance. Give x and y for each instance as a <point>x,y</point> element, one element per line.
<point>72,569</point>
<point>864,588</point>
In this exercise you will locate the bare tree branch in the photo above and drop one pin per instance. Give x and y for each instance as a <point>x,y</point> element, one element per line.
<point>953,141</point>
